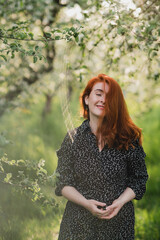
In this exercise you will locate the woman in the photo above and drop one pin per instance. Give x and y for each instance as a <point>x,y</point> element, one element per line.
<point>101,167</point>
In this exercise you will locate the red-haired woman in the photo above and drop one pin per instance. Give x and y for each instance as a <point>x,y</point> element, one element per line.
<point>101,167</point>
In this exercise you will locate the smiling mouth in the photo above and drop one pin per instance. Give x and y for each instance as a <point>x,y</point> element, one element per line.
<point>100,106</point>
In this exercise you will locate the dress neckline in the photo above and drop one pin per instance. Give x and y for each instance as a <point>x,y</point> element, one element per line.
<point>86,126</point>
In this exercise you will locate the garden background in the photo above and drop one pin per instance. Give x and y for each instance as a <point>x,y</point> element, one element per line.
<point>49,49</point>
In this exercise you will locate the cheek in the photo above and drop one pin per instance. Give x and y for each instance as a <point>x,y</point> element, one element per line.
<point>91,104</point>
<point>92,100</point>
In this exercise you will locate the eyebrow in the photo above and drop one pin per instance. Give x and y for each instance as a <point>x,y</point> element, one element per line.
<point>99,90</point>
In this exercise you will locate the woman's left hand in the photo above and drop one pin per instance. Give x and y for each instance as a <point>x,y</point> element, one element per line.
<point>112,210</point>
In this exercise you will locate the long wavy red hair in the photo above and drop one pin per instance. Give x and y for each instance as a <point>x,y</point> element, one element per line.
<point>115,126</point>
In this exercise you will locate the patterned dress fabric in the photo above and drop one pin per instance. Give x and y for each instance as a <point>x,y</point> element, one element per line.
<point>102,176</point>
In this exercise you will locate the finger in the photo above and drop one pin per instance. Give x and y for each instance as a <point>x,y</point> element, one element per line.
<point>104,216</point>
<point>108,210</point>
<point>110,207</point>
<point>100,203</point>
<point>99,211</point>
<point>107,214</point>
<point>107,217</point>
<point>112,215</point>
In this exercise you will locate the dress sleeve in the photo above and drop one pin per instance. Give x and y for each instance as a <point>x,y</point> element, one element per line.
<point>137,171</point>
<point>65,168</point>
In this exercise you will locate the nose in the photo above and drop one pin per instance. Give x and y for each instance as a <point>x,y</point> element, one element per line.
<point>103,98</point>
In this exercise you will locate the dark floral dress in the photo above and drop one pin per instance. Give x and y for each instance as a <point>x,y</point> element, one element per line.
<point>102,176</point>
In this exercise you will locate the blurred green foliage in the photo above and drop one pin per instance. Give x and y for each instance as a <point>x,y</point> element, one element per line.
<point>34,137</point>
<point>147,210</point>
<point>101,36</point>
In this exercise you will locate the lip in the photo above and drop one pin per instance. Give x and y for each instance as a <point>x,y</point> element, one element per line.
<point>100,107</point>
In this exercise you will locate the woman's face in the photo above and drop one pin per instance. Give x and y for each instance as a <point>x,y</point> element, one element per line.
<point>96,99</point>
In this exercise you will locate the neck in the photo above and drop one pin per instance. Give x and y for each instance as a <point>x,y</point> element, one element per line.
<point>94,124</point>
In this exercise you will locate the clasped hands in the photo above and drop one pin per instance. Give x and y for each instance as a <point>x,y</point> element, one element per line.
<point>98,208</point>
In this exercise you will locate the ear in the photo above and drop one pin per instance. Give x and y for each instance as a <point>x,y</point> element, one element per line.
<point>86,100</point>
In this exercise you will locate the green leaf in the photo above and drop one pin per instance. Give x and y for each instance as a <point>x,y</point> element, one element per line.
<point>56,30</point>
<point>154,54</point>
<point>1,168</point>
<point>57,37</point>
<point>5,41</point>
<point>35,59</point>
<point>4,57</point>
<point>121,30</point>
<point>13,46</point>
<point>14,27</point>
<point>42,171</point>
<point>36,48</point>
<point>48,35</point>
<point>22,35</point>
<point>77,38</point>
<point>31,35</point>
<point>84,66</point>
<point>13,55</point>
<point>8,177</point>
<point>73,29</point>
<point>21,162</point>
<point>80,77</point>
<point>66,29</point>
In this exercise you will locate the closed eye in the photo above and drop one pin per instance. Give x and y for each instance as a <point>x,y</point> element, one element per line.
<point>98,94</point>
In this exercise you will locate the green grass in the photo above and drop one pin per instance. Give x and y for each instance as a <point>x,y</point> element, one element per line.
<point>147,210</point>
<point>36,229</point>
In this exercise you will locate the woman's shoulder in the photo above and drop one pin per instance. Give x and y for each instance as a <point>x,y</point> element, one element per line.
<point>76,133</point>
<point>70,135</point>
<point>136,149</point>
<point>80,129</point>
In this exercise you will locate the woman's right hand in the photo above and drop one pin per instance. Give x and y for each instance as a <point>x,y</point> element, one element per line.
<point>92,206</point>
